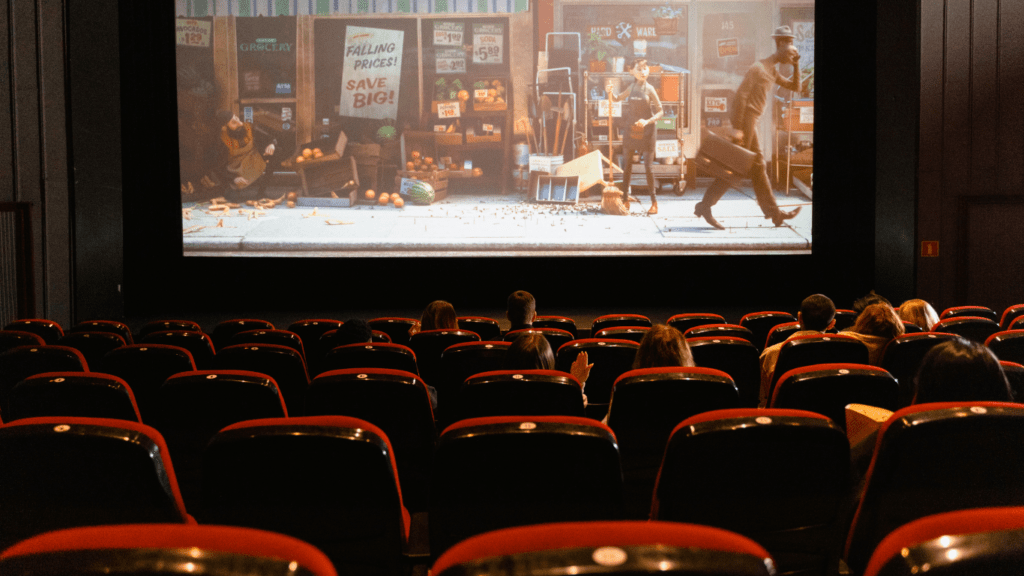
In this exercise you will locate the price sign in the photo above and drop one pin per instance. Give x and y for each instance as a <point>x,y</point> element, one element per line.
<point>480,93</point>
<point>449,33</point>
<point>193,32</point>
<point>447,110</point>
<point>666,149</point>
<point>488,128</point>
<point>807,114</point>
<point>440,128</point>
<point>450,61</point>
<point>602,108</point>
<point>488,43</point>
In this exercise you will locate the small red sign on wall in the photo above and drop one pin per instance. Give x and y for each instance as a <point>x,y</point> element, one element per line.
<point>929,248</point>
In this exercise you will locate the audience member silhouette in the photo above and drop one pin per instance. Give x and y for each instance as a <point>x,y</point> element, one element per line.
<point>521,310</point>
<point>533,352</point>
<point>876,326</point>
<point>960,370</point>
<point>920,313</point>
<point>817,314</point>
<point>438,315</point>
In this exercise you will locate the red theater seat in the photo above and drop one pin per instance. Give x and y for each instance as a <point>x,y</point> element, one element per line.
<point>145,367</point>
<point>800,351</point>
<point>460,361</point>
<point>622,547</point>
<point>81,394</point>
<point>684,322</point>
<point>1007,345</point>
<point>198,344</point>
<point>610,357</point>
<point>64,472</point>
<point>780,332</point>
<point>978,541</point>
<point>974,328</point>
<point>225,330</point>
<point>521,392</point>
<point>492,473</point>
<point>761,323</point>
<point>559,322</point>
<point>430,344</point>
<point>486,328</point>
<point>19,363</point>
<point>720,331</point>
<point>1015,376</point>
<point>613,320</point>
<point>396,328</point>
<point>903,356</point>
<point>328,480</point>
<point>828,388</point>
<point>112,326</point>
<point>844,319</point>
<point>48,330</point>
<point>14,338</point>
<point>736,357</point>
<point>634,333</point>
<point>781,477</point>
<point>646,405</point>
<point>556,337</point>
<point>158,325</point>
<point>270,336</point>
<point>93,345</point>
<point>395,401</point>
<point>310,331</point>
<point>957,311</point>
<point>940,457</point>
<point>1010,315</point>
<point>281,363</point>
<point>375,355</point>
<point>163,550</point>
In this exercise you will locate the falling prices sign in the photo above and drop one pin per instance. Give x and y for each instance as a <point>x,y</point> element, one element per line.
<point>371,72</point>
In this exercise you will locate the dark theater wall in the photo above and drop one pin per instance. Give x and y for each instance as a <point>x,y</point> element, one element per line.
<point>971,191</point>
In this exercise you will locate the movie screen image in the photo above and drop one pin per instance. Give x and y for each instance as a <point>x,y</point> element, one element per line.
<point>425,128</point>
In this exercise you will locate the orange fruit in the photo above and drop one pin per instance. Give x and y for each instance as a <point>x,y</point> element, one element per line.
<point>410,166</point>
<point>383,200</point>
<point>428,160</point>
<point>300,159</point>
<point>370,194</point>
<point>415,154</point>
<point>399,202</point>
<point>307,153</point>
<point>317,151</point>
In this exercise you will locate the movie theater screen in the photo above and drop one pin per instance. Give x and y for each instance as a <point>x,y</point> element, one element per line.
<point>432,128</point>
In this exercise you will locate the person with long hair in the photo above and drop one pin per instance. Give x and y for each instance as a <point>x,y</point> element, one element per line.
<point>533,352</point>
<point>438,315</point>
<point>663,346</point>
<point>876,326</point>
<point>959,370</point>
<point>920,313</point>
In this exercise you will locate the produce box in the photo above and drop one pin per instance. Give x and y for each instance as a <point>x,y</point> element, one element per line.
<point>474,135</point>
<point>489,95</point>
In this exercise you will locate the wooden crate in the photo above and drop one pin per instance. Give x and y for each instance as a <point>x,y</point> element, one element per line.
<point>437,179</point>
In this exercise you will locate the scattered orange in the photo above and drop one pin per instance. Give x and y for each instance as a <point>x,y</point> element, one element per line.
<point>307,153</point>
<point>428,160</point>
<point>415,154</point>
<point>300,159</point>
<point>292,196</point>
<point>383,200</point>
<point>370,194</point>
<point>410,166</point>
<point>399,202</point>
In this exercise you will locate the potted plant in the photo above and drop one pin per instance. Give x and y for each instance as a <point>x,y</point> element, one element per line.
<point>598,49</point>
<point>666,19</point>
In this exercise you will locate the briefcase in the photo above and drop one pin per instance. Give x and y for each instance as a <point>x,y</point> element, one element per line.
<point>723,159</point>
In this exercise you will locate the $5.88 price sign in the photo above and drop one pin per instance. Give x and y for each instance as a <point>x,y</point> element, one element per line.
<point>488,42</point>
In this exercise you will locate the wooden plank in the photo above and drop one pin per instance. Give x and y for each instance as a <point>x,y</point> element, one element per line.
<point>225,62</point>
<point>305,80</point>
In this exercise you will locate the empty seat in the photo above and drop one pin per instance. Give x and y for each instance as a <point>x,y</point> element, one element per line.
<point>270,336</point>
<point>14,338</point>
<point>84,394</point>
<point>617,547</point>
<point>281,363</point>
<point>736,357</point>
<point>974,328</point>
<point>198,344</point>
<point>163,550</point>
<point>720,331</point>
<point>328,480</point>
<point>194,406</point>
<point>145,367</point>
<point>560,322</point>
<point>460,361</point>
<point>430,344</point>
<point>903,356</point>
<point>506,471</point>
<point>978,541</point>
<point>93,345</point>
<point>1015,376</point>
<point>957,311</point>
<point>646,405</point>
<point>684,322</point>
<point>811,349</point>
<point>1017,324</point>
<point>486,328</point>
<point>844,319</point>
<point>613,320</point>
<point>634,333</point>
<point>395,401</point>
<point>396,328</point>
<point>940,457</point>
<point>780,477</point>
<point>611,358</point>
<point>1010,315</point>
<point>226,329</point>
<point>761,323</point>
<point>828,388</point>
<point>48,330</point>
<point>63,472</point>
<point>522,393</point>
<point>19,363</point>
<point>112,326</point>
<point>1007,345</point>
<point>780,332</point>
<point>556,337</point>
<point>158,325</point>
<point>375,355</point>
<point>310,331</point>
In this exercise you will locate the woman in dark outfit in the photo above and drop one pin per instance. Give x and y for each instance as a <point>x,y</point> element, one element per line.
<point>639,113</point>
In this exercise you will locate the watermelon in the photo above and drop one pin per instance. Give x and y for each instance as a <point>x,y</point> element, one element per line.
<point>421,193</point>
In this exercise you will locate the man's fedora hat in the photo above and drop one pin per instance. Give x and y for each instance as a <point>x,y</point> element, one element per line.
<point>783,32</point>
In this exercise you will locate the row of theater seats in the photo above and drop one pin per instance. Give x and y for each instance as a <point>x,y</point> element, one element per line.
<point>977,541</point>
<point>778,477</point>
